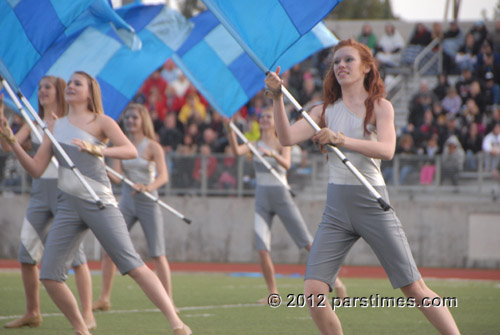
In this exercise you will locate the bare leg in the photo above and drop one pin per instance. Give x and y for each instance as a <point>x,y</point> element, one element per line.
<point>164,274</point>
<point>339,286</point>
<point>62,296</point>
<point>108,273</point>
<point>32,316</point>
<point>439,317</point>
<point>267,267</point>
<point>340,289</point>
<point>84,286</point>
<point>155,291</point>
<point>324,317</point>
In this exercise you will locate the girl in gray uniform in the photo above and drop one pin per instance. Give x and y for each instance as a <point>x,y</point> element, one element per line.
<point>41,209</point>
<point>148,172</point>
<point>82,134</point>
<point>360,122</point>
<point>271,198</point>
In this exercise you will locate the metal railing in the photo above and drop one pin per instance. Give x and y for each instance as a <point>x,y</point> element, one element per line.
<point>223,175</point>
<point>436,57</point>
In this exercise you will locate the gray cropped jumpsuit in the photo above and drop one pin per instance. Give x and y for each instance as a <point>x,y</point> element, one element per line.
<point>77,212</point>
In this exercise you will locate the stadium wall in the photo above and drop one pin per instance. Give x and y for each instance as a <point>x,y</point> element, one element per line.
<point>442,232</point>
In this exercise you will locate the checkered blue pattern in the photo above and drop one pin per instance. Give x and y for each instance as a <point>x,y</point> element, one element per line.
<point>224,73</point>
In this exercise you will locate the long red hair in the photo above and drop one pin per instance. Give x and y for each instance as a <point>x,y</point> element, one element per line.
<point>372,83</point>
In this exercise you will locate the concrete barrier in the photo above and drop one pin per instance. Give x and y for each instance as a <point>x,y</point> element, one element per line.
<point>438,230</point>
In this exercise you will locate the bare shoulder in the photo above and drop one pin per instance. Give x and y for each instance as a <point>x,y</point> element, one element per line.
<point>383,106</point>
<point>105,120</point>
<point>154,146</point>
<point>315,112</point>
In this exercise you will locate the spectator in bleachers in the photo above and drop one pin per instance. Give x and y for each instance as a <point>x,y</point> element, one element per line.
<point>257,104</point>
<point>192,110</point>
<point>211,167</point>
<point>180,85</point>
<point>173,102</point>
<point>452,160</point>
<point>157,123</point>
<point>217,145</point>
<point>486,50</point>
<point>295,78</point>
<point>491,91</point>
<point>437,110</point>
<point>494,36</point>
<point>472,143</point>
<point>308,88</point>
<point>156,102</point>
<point>479,32</point>
<point>453,39</point>
<point>420,101</point>
<point>426,130</point>
<point>193,130</point>
<point>216,124</point>
<point>466,56</point>
<point>451,127</point>
<point>478,96</point>
<point>170,136</point>
<point>170,72</point>
<point>154,80</point>
<point>188,146</point>
<point>421,35</point>
<point>367,37</point>
<point>470,113</point>
<point>491,148</point>
<point>494,119</point>
<point>488,64</point>
<point>227,176</point>
<point>463,83</point>
<point>437,33</point>
<point>286,82</point>
<point>390,47</point>
<point>405,146</point>
<point>431,148</point>
<point>441,88</point>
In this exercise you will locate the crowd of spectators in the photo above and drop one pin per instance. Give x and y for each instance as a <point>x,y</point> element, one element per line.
<point>463,113</point>
<point>458,117</point>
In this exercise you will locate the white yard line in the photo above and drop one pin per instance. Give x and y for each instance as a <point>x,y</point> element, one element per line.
<point>154,310</point>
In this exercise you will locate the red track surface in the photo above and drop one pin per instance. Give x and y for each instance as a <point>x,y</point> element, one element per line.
<point>346,271</point>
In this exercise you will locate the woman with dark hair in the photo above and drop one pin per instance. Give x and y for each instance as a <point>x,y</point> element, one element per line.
<point>41,209</point>
<point>83,133</point>
<point>149,172</point>
<point>357,119</point>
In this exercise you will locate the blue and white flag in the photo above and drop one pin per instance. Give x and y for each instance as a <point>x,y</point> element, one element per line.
<point>30,27</point>
<point>98,49</point>
<point>267,28</point>
<point>224,73</point>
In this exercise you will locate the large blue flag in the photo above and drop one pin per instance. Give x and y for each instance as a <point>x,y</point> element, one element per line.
<point>30,27</point>
<point>98,50</point>
<point>267,28</point>
<point>224,73</point>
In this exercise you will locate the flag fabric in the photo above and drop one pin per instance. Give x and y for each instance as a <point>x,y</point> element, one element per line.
<point>269,27</point>
<point>224,73</point>
<point>99,50</point>
<point>30,27</point>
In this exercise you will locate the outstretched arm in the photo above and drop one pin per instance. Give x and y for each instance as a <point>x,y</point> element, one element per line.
<point>288,134</point>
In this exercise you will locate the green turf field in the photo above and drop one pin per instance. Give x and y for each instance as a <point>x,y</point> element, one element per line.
<point>223,304</point>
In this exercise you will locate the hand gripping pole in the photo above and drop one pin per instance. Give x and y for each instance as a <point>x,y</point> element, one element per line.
<point>149,195</point>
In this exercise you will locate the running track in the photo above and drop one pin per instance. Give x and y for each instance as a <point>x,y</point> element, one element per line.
<point>287,269</point>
